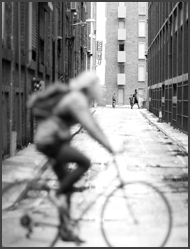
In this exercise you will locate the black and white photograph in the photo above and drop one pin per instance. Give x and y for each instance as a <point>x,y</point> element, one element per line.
<point>94,124</point>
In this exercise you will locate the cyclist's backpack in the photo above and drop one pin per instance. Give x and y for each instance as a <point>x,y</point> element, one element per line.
<point>43,103</point>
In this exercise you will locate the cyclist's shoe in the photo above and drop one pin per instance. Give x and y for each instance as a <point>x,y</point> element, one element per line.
<point>69,236</point>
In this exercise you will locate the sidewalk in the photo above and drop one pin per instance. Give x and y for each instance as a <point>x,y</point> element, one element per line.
<point>173,133</point>
<point>25,164</point>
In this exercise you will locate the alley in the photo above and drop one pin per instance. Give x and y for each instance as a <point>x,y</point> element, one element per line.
<point>150,156</point>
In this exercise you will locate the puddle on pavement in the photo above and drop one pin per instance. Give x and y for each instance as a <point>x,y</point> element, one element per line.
<point>177,178</point>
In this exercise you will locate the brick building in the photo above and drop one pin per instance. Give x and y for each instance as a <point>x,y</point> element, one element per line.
<point>168,61</point>
<point>39,42</point>
<point>126,45</point>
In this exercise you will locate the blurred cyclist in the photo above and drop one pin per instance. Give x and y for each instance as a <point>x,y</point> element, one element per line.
<point>67,106</point>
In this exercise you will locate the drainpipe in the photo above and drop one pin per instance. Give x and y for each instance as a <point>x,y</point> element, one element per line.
<point>54,42</point>
<point>63,40</point>
<point>19,78</point>
<point>26,76</point>
<point>11,83</point>
<point>91,38</point>
<point>29,60</point>
<point>29,34</point>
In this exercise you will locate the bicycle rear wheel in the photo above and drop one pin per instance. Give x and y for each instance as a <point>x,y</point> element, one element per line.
<point>15,192</point>
<point>20,199</point>
<point>136,215</point>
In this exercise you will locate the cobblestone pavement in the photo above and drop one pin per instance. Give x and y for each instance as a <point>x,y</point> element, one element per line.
<point>150,156</point>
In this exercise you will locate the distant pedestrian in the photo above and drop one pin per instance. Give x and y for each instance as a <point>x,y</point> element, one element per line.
<point>131,101</point>
<point>135,99</point>
<point>113,100</point>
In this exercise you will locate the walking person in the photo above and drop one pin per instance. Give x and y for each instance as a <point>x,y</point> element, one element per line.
<point>135,99</point>
<point>113,100</point>
<point>131,101</point>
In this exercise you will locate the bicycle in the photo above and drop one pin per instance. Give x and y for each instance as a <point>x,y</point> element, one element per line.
<point>131,210</point>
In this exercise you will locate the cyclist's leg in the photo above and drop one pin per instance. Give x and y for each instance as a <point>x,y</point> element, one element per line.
<point>61,173</point>
<point>69,154</point>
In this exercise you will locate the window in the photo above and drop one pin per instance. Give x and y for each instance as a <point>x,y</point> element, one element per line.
<point>142,8</point>
<point>121,24</point>
<point>33,55</point>
<point>174,89</point>
<point>141,73</point>
<point>181,16</point>
<point>3,12</point>
<point>33,11</point>
<point>42,21</point>
<point>187,10</point>
<point>121,47</point>
<point>141,50</point>
<point>142,27</point>
<point>41,52</point>
<point>121,68</point>
<point>172,27</point>
<point>175,20</point>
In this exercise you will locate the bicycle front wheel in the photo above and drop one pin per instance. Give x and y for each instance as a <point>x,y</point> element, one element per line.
<point>136,215</point>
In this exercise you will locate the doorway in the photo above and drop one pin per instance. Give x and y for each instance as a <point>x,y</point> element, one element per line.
<point>120,96</point>
<point>141,97</point>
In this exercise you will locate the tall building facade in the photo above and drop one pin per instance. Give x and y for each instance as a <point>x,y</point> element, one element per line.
<point>126,46</point>
<point>168,61</point>
<point>40,43</point>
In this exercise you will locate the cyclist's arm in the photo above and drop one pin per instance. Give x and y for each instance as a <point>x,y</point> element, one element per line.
<point>80,110</point>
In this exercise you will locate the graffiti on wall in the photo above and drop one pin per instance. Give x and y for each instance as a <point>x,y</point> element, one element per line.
<point>99,51</point>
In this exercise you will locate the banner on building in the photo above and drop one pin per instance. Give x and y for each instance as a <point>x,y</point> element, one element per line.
<point>99,51</point>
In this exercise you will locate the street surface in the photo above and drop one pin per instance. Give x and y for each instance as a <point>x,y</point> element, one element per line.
<point>150,156</point>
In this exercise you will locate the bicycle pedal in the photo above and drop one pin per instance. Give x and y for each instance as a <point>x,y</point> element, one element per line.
<point>26,221</point>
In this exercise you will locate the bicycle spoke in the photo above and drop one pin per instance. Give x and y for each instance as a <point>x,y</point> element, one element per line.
<point>129,207</point>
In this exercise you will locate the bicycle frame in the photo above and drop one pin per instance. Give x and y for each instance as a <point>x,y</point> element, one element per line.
<point>31,223</point>
<point>121,185</point>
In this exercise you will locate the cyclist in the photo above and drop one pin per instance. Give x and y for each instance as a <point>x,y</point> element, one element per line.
<point>70,106</point>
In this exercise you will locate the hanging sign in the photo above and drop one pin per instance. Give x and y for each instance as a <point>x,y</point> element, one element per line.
<point>99,51</point>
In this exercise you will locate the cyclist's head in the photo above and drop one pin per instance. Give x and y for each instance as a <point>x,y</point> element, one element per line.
<point>87,82</point>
